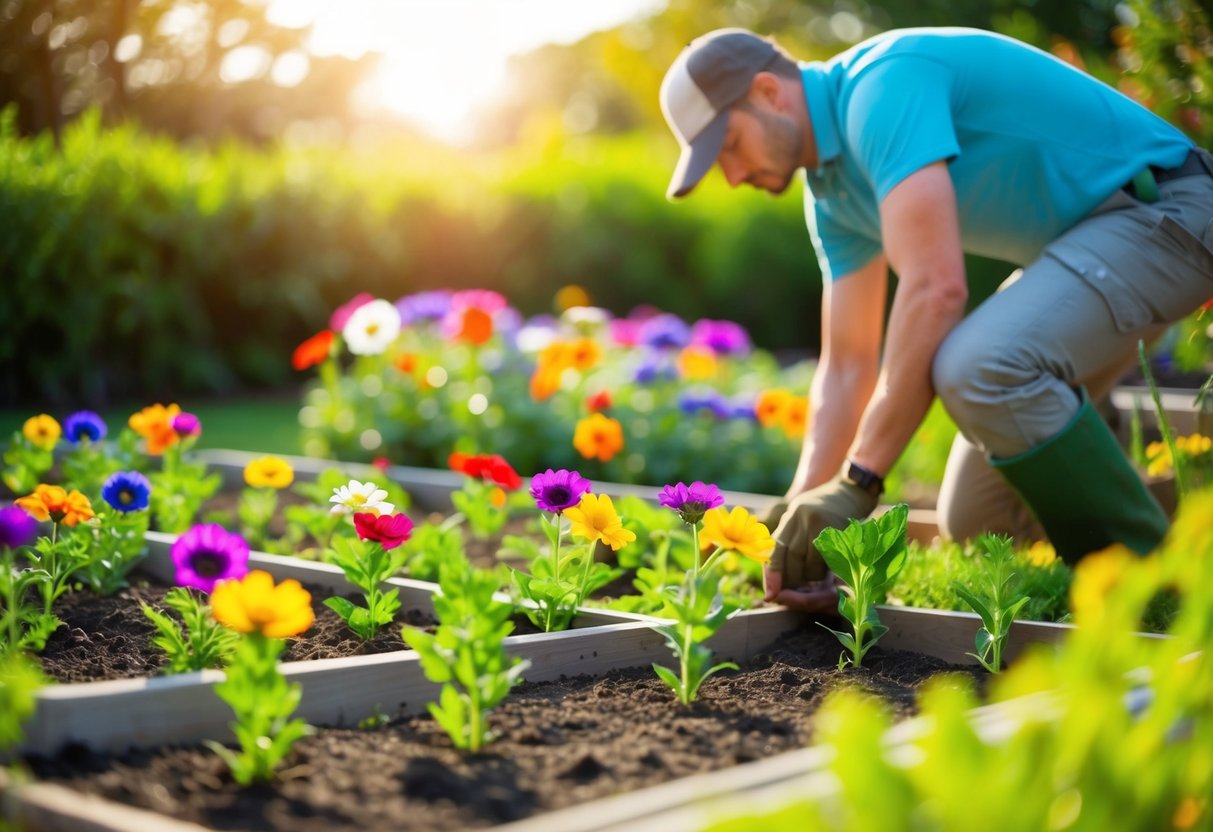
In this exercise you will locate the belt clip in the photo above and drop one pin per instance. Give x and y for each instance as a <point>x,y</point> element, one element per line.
<point>1145,186</point>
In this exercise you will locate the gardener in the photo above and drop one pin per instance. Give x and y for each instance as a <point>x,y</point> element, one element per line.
<point>918,146</point>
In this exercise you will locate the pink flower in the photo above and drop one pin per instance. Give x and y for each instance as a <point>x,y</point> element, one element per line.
<point>342,313</point>
<point>388,530</point>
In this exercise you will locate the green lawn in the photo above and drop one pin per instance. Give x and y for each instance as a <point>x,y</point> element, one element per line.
<point>269,425</point>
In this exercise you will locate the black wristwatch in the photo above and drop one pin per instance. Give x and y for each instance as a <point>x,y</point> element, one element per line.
<point>865,478</point>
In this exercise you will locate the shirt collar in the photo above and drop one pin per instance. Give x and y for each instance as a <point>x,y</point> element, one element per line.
<point>820,99</point>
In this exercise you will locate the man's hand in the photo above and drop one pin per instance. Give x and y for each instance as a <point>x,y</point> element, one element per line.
<point>796,575</point>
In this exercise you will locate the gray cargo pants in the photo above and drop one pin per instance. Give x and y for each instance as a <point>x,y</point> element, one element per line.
<point>1007,372</point>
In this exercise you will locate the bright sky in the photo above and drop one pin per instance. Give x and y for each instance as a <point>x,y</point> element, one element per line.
<point>444,58</point>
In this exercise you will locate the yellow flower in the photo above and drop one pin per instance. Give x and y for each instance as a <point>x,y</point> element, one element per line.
<point>50,502</point>
<point>594,518</point>
<point>269,472</point>
<point>584,354</point>
<point>1041,554</point>
<point>697,362</point>
<point>254,604</point>
<point>737,531</point>
<point>42,430</point>
<point>598,437</point>
<point>1096,575</point>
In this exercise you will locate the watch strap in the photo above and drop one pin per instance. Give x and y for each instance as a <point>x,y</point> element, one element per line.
<point>864,478</point>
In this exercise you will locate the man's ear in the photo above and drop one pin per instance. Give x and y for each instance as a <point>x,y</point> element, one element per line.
<point>766,88</point>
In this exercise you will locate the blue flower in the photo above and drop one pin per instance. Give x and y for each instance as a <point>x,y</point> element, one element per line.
<point>694,400</point>
<point>127,491</point>
<point>84,424</point>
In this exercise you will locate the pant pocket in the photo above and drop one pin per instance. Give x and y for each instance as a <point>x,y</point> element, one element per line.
<point>1145,279</point>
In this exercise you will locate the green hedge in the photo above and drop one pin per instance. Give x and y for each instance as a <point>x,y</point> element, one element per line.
<point>136,268</point>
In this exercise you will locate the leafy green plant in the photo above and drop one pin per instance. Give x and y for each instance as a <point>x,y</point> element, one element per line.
<point>23,624</point>
<point>467,654</point>
<point>368,562</point>
<point>431,546</point>
<point>117,547</point>
<point>20,680</point>
<point>560,580</point>
<point>696,605</point>
<point>866,556</point>
<point>196,642</point>
<point>993,598</point>
<point>258,694</point>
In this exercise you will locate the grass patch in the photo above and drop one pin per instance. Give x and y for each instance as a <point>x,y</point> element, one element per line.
<point>268,425</point>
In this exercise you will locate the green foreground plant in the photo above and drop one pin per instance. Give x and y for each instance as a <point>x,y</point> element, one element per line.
<point>467,654</point>
<point>994,599</point>
<point>367,565</point>
<point>1109,731</point>
<point>196,642</point>
<point>866,556</point>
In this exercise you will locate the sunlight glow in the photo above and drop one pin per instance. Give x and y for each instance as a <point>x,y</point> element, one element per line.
<point>442,60</point>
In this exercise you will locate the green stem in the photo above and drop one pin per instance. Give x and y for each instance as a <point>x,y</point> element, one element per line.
<point>477,731</point>
<point>1164,424</point>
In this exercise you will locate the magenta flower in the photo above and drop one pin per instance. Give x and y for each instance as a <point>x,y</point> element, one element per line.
<point>342,313</point>
<point>722,337</point>
<point>186,424</point>
<point>388,530</point>
<point>207,554</point>
<point>558,490</point>
<point>16,527</point>
<point>690,501</point>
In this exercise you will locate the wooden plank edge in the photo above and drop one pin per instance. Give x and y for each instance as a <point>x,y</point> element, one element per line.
<point>46,807</point>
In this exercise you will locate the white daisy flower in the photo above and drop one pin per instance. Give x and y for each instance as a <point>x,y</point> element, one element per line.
<point>372,328</point>
<point>360,497</point>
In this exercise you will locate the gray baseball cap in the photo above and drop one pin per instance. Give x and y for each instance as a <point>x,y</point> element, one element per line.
<point>710,75</point>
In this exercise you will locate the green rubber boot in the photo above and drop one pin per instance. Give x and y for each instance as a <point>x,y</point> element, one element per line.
<point>1084,492</point>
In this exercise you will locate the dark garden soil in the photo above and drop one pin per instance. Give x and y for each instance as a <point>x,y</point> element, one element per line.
<point>559,743</point>
<point>110,638</point>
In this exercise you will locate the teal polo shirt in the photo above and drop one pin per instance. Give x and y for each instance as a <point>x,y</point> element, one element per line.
<point>1033,144</point>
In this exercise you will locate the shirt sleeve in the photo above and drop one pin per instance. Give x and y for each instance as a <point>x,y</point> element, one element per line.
<point>899,119</point>
<point>840,251</point>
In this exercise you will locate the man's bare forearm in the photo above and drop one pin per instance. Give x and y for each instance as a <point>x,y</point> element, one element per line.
<point>837,400</point>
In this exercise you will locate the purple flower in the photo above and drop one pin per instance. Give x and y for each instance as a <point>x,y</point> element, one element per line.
<point>655,366</point>
<point>186,424</point>
<point>558,490</point>
<point>83,424</point>
<point>16,527</point>
<point>625,331</point>
<point>695,400</point>
<point>690,501</point>
<point>423,306</point>
<point>665,331</point>
<point>742,407</point>
<point>207,554</point>
<point>722,337</point>
<point>127,491</point>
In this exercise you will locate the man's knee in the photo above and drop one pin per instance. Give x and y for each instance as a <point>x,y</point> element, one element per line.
<point>956,374</point>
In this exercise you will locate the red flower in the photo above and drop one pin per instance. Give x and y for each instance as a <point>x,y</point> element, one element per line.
<point>312,351</point>
<point>598,402</point>
<point>1207,305</point>
<point>486,467</point>
<point>388,530</point>
<point>381,462</point>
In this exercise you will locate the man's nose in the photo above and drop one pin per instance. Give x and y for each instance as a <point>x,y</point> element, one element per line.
<point>733,172</point>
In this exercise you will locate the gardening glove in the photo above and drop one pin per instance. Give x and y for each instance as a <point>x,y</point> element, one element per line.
<point>795,564</point>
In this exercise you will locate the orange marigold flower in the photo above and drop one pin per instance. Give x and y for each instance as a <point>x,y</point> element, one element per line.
<point>598,437</point>
<point>584,354</point>
<point>475,326</point>
<point>42,431</point>
<point>312,351</point>
<point>795,416</point>
<point>697,362</point>
<point>497,497</point>
<point>50,502</point>
<point>544,382</point>
<point>770,406</point>
<point>406,363</point>
<point>155,424</point>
